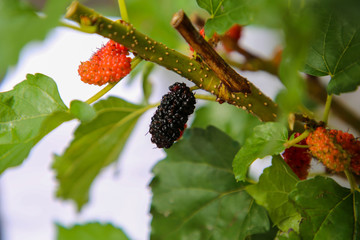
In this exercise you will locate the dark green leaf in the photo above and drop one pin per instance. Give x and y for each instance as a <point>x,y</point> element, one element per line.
<point>272,191</point>
<point>90,231</point>
<point>224,13</point>
<point>20,24</point>
<point>292,235</point>
<point>335,52</point>
<point>271,234</point>
<point>267,139</point>
<point>27,113</point>
<point>329,211</point>
<point>237,123</point>
<point>195,195</point>
<point>96,144</point>
<point>83,111</point>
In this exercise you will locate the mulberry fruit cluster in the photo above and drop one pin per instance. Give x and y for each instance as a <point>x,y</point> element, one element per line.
<point>169,120</point>
<point>337,150</point>
<point>108,64</point>
<point>298,159</point>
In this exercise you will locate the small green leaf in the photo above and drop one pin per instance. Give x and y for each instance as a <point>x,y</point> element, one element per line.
<point>20,24</point>
<point>335,52</point>
<point>267,139</point>
<point>146,84</point>
<point>224,13</point>
<point>329,211</point>
<point>96,144</point>
<point>271,192</point>
<point>195,195</point>
<point>237,123</point>
<point>90,231</point>
<point>27,113</point>
<point>83,111</point>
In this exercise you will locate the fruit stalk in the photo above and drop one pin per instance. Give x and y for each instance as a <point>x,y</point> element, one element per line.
<point>199,73</point>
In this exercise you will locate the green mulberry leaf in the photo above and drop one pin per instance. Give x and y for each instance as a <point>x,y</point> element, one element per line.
<point>335,52</point>
<point>267,139</point>
<point>83,111</point>
<point>27,113</point>
<point>90,231</point>
<point>96,144</point>
<point>224,13</point>
<point>195,195</point>
<point>272,191</point>
<point>329,211</point>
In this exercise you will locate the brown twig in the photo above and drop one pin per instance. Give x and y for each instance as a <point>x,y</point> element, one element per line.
<point>226,74</point>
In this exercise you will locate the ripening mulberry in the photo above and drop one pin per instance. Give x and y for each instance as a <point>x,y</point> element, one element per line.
<point>108,64</point>
<point>298,159</point>
<point>233,35</point>
<point>170,118</point>
<point>336,149</point>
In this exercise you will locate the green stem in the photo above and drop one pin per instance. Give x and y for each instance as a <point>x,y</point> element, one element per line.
<point>194,88</point>
<point>82,28</point>
<point>300,146</point>
<point>327,108</point>
<point>205,97</point>
<point>352,181</point>
<point>134,62</point>
<point>123,10</point>
<point>297,140</point>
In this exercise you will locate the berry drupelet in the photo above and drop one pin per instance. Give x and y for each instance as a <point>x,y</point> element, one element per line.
<point>170,118</point>
<point>337,150</point>
<point>108,64</point>
<point>298,159</point>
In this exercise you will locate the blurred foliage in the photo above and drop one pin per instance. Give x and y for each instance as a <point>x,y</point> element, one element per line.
<point>20,23</point>
<point>90,231</point>
<point>154,17</point>
<point>235,122</point>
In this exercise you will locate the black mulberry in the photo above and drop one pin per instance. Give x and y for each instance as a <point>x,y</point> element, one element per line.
<point>170,118</point>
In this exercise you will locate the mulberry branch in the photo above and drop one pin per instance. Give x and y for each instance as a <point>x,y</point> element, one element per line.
<point>199,73</point>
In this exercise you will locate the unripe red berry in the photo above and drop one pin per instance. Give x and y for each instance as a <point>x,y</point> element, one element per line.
<point>234,32</point>
<point>108,64</point>
<point>337,150</point>
<point>298,159</point>
<point>231,37</point>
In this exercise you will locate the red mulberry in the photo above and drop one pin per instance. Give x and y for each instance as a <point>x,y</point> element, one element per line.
<point>108,64</point>
<point>298,159</point>
<point>170,118</point>
<point>336,149</point>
